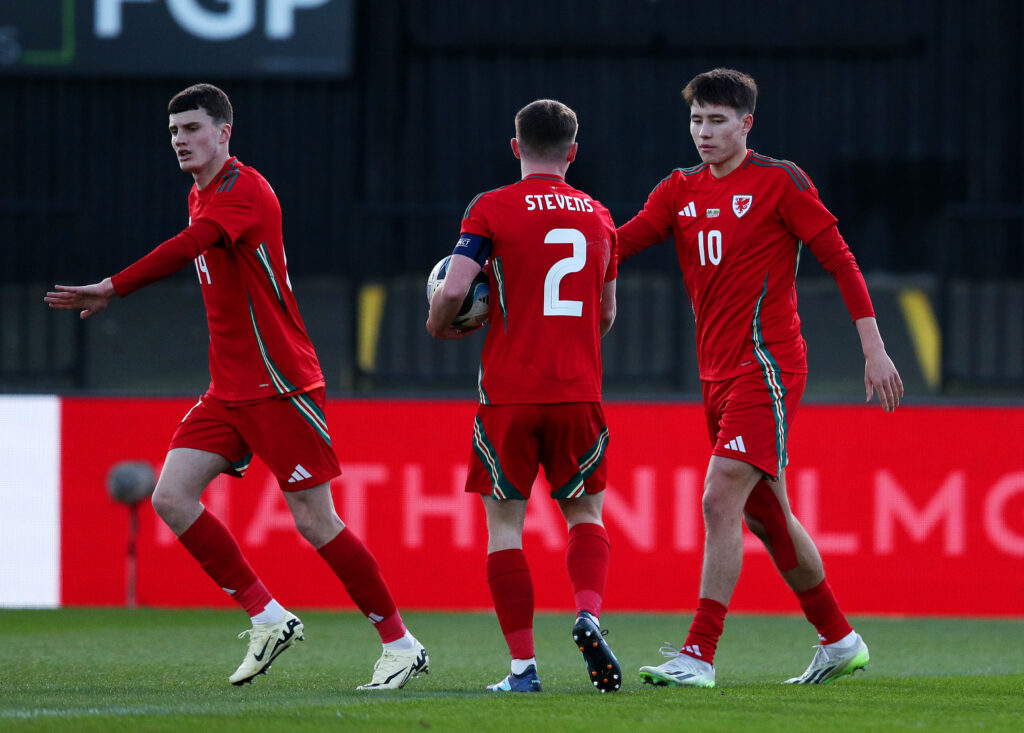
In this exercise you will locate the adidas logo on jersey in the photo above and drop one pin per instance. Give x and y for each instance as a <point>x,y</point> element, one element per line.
<point>689,210</point>
<point>736,444</point>
<point>299,474</point>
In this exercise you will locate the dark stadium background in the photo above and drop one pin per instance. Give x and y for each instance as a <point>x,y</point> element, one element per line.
<point>903,113</point>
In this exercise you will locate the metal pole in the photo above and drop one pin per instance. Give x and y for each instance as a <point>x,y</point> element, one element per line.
<point>131,559</point>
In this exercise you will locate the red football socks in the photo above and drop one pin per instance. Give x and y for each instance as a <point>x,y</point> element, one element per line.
<point>707,626</point>
<point>508,577</point>
<point>359,572</point>
<point>586,559</point>
<point>218,553</point>
<point>821,609</point>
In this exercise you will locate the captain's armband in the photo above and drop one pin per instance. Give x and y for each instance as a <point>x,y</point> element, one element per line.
<point>474,246</point>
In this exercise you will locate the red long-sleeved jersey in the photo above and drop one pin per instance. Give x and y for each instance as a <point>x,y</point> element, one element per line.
<point>738,239</point>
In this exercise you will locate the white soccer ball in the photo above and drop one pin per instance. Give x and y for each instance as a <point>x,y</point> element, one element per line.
<point>475,308</point>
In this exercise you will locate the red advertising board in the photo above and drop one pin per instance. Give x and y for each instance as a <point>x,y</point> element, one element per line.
<point>916,512</point>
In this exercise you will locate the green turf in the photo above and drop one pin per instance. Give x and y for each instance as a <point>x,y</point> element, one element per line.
<point>155,670</point>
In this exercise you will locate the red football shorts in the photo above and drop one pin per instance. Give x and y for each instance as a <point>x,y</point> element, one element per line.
<point>510,441</point>
<point>748,417</point>
<point>289,434</point>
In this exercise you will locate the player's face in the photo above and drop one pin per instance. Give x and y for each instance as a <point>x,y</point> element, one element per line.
<point>197,139</point>
<point>720,133</point>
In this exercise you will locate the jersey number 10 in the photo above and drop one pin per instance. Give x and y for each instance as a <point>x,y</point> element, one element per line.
<point>714,247</point>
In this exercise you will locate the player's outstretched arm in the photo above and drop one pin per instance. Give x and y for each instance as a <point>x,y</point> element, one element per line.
<point>880,373</point>
<point>88,299</point>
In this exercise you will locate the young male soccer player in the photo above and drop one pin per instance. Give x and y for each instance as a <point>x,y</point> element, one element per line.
<point>739,221</point>
<point>552,270</point>
<point>266,393</point>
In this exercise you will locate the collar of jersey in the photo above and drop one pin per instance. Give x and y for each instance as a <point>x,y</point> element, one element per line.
<point>546,176</point>
<point>210,188</point>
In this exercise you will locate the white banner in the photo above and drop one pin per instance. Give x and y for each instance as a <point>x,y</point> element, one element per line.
<point>30,501</point>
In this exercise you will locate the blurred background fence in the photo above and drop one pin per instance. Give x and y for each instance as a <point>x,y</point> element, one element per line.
<point>377,121</point>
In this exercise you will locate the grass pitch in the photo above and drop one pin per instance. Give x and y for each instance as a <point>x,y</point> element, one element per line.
<point>162,670</point>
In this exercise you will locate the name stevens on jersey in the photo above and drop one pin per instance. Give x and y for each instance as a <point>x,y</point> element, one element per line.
<point>554,201</point>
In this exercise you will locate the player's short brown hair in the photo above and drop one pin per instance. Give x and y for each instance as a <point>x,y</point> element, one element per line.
<point>727,87</point>
<point>546,129</point>
<point>203,96</point>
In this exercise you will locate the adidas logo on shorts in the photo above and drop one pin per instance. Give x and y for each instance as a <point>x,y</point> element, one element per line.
<point>299,474</point>
<point>736,444</point>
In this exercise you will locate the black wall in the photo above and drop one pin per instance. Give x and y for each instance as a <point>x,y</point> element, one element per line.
<point>903,113</point>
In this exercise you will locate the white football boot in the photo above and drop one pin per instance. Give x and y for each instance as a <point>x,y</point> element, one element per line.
<point>396,667</point>
<point>834,660</point>
<point>266,642</point>
<point>681,670</point>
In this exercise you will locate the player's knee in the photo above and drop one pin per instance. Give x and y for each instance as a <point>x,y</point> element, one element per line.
<point>165,504</point>
<point>718,507</point>
<point>758,517</point>
<point>727,472</point>
<point>755,526</point>
<point>307,526</point>
<point>317,529</point>
<point>504,536</point>
<point>764,508</point>
<point>576,511</point>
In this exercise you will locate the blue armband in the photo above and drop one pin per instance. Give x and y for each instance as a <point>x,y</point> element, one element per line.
<point>474,246</point>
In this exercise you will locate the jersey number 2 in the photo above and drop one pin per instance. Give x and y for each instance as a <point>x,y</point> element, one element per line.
<point>553,304</point>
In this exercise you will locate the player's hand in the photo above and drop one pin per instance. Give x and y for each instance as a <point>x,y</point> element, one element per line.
<point>880,376</point>
<point>450,332</point>
<point>87,299</point>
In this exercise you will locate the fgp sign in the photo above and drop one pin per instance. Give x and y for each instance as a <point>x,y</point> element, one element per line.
<point>181,37</point>
<point>233,20</point>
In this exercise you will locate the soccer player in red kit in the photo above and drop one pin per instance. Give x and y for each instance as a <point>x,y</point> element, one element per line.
<point>266,393</point>
<point>739,220</point>
<point>550,250</point>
